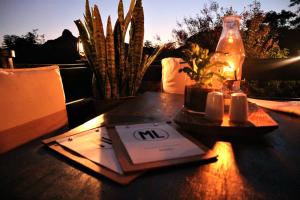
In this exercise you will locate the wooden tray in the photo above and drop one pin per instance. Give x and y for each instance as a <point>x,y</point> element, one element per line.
<point>259,123</point>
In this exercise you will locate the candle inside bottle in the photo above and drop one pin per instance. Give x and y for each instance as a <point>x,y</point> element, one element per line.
<point>228,72</point>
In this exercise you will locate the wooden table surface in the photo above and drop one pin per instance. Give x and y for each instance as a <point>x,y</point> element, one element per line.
<point>258,168</point>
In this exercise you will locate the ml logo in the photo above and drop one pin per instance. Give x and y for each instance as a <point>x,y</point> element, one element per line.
<point>153,134</point>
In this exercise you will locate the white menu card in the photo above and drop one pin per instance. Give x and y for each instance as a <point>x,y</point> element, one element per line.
<point>94,145</point>
<point>155,142</point>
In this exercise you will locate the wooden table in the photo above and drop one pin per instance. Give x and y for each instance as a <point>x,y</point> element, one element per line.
<point>261,168</point>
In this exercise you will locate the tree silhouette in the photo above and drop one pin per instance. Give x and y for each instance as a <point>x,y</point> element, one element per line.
<point>296,22</point>
<point>260,40</point>
<point>30,39</point>
<point>31,48</point>
<point>282,20</point>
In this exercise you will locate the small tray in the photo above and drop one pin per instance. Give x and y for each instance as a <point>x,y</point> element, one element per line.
<point>259,123</point>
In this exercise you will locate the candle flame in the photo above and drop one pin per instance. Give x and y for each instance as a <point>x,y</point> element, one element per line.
<point>228,71</point>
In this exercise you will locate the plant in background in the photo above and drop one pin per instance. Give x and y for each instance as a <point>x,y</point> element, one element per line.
<point>260,39</point>
<point>201,68</point>
<point>205,73</point>
<point>296,21</point>
<point>274,88</point>
<point>117,69</point>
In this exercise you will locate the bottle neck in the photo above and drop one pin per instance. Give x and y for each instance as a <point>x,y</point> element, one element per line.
<point>231,24</point>
<point>231,33</point>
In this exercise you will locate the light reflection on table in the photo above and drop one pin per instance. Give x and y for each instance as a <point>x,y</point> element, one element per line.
<point>220,178</point>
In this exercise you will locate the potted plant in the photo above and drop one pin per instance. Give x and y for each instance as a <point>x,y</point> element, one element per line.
<point>205,75</point>
<point>118,68</point>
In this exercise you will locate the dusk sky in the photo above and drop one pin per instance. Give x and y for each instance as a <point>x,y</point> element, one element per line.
<point>51,17</point>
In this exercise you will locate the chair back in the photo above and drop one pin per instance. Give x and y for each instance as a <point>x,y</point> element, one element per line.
<point>32,104</point>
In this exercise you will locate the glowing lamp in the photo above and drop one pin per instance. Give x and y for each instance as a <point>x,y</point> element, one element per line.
<point>80,48</point>
<point>12,54</point>
<point>6,58</point>
<point>231,47</point>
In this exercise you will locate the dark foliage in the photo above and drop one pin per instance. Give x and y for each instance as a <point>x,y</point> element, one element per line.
<point>30,48</point>
<point>260,31</point>
<point>274,89</point>
<point>296,21</point>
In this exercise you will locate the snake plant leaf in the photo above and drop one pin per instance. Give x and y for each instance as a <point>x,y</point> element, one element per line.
<point>128,70</point>
<point>119,40</point>
<point>120,21</point>
<point>150,59</point>
<point>136,41</point>
<point>89,53</point>
<point>117,71</point>
<point>88,17</point>
<point>119,54</point>
<point>110,50</point>
<point>121,12</point>
<point>88,20</point>
<point>153,56</point>
<point>110,55</point>
<point>120,44</point>
<point>88,44</point>
<point>147,60</point>
<point>128,16</point>
<point>85,41</point>
<point>99,39</point>
<point>139,75</point>
<point>107,88</point>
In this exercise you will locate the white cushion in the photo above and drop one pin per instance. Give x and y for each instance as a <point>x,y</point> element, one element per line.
<point>32,103</point>
<point>172,80</point>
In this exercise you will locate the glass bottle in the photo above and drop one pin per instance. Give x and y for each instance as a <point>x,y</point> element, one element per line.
<point>231,46</point>
<point>230,49</point>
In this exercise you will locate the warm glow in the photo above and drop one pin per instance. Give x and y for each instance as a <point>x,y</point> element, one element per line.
<point>219,178</point>
<point>234,70</point>
<point>286,62</point>
<point>228,72</point>
<point>172,81</point>
<point>80,48</point>
<point>13,54</point>
<point>225,155</point>
<point>91,124</point>
<point>231,44</point>
<point>230,37</point>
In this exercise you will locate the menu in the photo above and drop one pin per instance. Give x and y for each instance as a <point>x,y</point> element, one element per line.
<point>153,142</point>
<point>94,145</point>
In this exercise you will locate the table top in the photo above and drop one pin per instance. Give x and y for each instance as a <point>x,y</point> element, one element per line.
<point>266,167</point>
